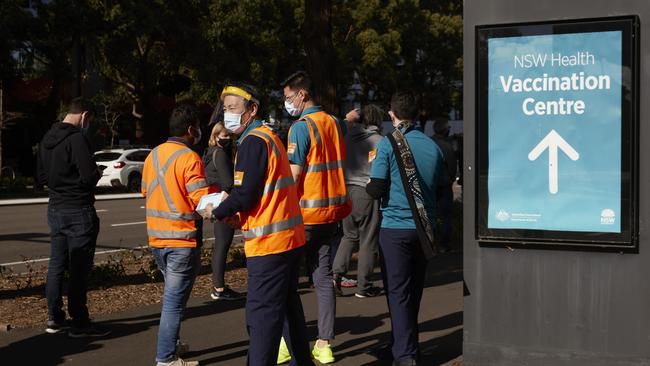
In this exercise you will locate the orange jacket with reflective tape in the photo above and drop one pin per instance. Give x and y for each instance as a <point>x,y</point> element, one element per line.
<point>323,194</point>
<point>274,225</point>
<point>173,182</point>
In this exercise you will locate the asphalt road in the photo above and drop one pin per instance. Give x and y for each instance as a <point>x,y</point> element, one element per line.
<point>24,234</point>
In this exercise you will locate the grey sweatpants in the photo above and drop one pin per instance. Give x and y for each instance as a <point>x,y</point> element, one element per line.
<point>360,228</point>
<point>320,239</point>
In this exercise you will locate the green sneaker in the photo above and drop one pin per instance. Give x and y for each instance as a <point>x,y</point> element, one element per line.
<point>283,353</point>
<point>323,354</point>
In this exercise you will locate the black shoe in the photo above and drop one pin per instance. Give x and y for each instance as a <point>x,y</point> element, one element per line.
<point>55,326</point>
<point>90,331</point>
<point>226,294</point>
<point>408,362</point>
<point>371,292</point>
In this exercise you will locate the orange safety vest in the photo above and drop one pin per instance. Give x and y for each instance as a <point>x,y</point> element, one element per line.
<point>274,225</point>
<point>323,194</point>
<point>173,182</point>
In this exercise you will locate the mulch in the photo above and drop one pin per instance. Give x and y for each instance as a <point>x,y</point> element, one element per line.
<point>24,305</point>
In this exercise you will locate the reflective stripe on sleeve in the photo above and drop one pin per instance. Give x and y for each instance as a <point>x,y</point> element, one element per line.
<point>196,185</point>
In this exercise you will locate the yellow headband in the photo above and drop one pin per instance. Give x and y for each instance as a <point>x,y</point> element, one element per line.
<point>236,91</point>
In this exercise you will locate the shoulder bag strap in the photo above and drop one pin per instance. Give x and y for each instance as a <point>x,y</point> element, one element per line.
<point>407,171</point>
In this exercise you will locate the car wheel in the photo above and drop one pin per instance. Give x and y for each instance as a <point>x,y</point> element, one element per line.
<point>135,180</point>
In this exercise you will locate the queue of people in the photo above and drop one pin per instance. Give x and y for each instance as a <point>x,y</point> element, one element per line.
<point>337,184</point>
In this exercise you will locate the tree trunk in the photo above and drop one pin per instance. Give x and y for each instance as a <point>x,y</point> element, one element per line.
<point>321,55</point>
<point>2,119</point>
<point>77,66</point>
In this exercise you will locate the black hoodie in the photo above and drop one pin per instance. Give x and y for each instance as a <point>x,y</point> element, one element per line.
<point>66,165</point>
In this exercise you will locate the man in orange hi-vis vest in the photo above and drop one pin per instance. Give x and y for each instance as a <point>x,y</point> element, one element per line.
<point>173,183</point>
<point>316,152</point>
<point>266,200</point>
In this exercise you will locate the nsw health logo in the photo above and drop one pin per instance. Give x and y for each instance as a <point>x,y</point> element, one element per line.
<point>607,217</point>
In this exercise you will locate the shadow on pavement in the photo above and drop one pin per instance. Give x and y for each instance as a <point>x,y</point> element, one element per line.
<point>30,237</point>
<point>54,349</point>
<point>433,352</point>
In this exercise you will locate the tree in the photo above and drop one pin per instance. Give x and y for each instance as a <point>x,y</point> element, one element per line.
<point>321,54</point>
<point>255,41</point>
<point>393,44</point>
<point>142,46</point>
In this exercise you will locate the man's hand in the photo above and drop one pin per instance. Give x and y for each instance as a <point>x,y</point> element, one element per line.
<point>353,116</point>
<point>206,213</point>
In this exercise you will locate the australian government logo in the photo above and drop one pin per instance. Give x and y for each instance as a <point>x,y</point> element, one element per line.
<point>607,217</point>
<point>503,215</point>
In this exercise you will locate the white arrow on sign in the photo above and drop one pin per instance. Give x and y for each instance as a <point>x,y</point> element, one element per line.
<point>553,141</point>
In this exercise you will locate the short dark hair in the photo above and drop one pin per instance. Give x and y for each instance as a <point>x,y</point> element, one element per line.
<point>299,80</point>
<point>404,105</point>
<point>372,115</point>
<point>183,116</point>
<point>80,104</point>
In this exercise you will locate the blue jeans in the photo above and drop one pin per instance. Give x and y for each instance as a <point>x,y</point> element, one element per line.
<point>73,235</point>
<point>179,267</point>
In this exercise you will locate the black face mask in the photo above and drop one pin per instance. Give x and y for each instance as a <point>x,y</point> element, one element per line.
<point>225,144</point>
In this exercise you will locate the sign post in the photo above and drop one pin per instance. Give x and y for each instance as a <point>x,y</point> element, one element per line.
<point>557,134</point>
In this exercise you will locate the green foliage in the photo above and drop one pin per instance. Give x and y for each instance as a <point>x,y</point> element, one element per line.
<point>187,49</point>
<point>395,44</point>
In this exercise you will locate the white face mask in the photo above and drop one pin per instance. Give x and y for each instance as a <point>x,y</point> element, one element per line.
<point>232,121</point>
<point>291,109</point>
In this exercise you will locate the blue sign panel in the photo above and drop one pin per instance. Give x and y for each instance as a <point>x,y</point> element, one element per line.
<point>556,129</point>
<point>555,132</point>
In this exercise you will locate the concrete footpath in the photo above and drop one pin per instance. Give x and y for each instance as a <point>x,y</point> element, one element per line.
<point>216,331</point>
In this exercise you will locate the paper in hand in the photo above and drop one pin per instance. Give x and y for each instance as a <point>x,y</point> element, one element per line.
<point>213,198</point>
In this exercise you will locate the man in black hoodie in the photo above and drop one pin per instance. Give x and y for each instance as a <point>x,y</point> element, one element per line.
<point>66,166</point>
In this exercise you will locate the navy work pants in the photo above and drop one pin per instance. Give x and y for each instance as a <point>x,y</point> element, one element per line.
<point>273,297</point>
<point>403,270</point>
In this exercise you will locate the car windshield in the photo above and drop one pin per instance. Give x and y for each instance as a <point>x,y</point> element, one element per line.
<point>108,156</point>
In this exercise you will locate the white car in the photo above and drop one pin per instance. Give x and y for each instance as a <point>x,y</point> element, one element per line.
<point>121,167</point>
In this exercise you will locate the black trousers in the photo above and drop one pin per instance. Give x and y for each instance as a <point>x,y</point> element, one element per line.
<point>223,235</point>
<point>273,297</point>
<point>403,271</point>
<point>73,235</point>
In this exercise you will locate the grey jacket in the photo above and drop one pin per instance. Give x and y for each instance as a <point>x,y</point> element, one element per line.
<point>359,143</point>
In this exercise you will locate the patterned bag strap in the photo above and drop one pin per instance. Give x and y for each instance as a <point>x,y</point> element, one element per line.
<point>412,189</point>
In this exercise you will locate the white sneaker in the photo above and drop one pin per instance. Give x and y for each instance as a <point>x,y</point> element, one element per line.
<point>178,362</point>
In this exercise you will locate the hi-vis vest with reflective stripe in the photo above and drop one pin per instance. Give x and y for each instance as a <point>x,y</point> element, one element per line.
<point>274,225</point>
<point>173,182</point>
<point>323,194</point>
